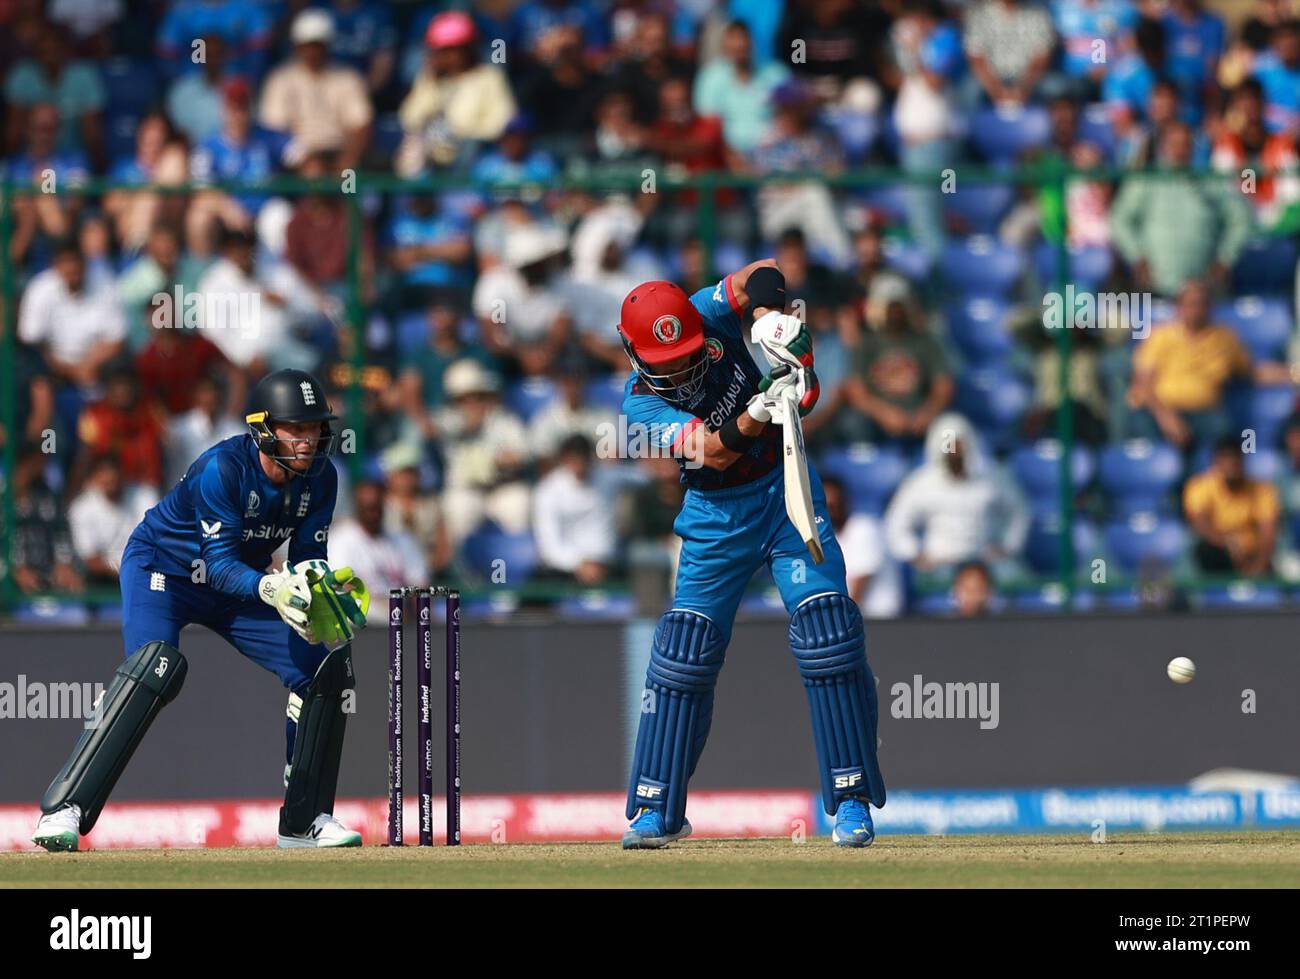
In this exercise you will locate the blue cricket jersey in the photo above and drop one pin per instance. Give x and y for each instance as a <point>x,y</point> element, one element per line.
<point>732,379</point>
<point>226,513</point>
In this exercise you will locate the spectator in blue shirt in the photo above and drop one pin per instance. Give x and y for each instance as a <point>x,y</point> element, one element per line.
<point>738,90</point>
<point>240,151</point>
<point>159,159</point>
<point>194,100</point>
<point>1129,84</point>
<point>245,25</point>
<point>1279,75</point>
<point>1194,41</point>
<point>73,87</point>
<point>1090,33</point>
<point>533,27</point>
<point>40,220</point>
<point>763,19</point>
<point>42,154</point>
<point>430,251</point>
<point>514,159</point>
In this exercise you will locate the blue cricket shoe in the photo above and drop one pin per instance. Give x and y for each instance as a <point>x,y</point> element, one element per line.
<point>853,826</point>
<point>648,831</point>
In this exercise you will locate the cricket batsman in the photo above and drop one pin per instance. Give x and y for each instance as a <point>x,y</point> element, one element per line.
<point>202,556</point>
<point>696,390</point>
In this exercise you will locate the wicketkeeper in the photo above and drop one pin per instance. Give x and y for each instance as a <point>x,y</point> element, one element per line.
<point>201,556</point>
<point>696,388</point>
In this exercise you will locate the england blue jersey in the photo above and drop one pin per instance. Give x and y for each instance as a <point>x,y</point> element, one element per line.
<point>227,517</point>
<point>732,379</point>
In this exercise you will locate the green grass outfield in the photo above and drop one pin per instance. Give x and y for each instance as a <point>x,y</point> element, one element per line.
<point>1254,859</point>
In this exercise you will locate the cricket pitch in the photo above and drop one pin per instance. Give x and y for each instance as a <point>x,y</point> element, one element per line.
<point>1196,860</point>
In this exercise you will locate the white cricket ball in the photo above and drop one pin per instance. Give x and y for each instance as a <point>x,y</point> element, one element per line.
<point>1181,669</point>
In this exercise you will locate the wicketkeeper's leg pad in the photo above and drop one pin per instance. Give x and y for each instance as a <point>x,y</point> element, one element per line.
<point>148,680</point>
<point>827,637</point>
<point>318,744</point>
<point>676,711</point>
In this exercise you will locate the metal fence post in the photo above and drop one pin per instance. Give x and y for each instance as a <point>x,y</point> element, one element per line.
<point>1064,411</point>
<point>357,350</point>
<point>8,395</point>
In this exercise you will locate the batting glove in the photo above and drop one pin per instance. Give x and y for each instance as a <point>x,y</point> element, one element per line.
<point>804,381</point>
<point>783,339</point>
<point>766,407</point>
<point>769,404</point>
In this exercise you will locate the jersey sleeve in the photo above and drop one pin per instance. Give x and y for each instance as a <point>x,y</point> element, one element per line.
<point>720,308</point>
<point>219,523</point>
<point>653,423</point>
<point>311,539</point>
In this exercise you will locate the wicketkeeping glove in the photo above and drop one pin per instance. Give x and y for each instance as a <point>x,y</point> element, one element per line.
<point>289,593</point>
<point>339,601</point>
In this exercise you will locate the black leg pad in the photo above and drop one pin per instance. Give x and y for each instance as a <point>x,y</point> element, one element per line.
<point>148,679</point>
<point>318,744</point>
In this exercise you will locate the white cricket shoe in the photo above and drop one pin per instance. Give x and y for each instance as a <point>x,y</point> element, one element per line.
<point>324,831</point>
<point>59,830</point>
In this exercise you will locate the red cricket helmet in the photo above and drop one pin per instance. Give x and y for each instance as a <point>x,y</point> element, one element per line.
<point>658,324</point>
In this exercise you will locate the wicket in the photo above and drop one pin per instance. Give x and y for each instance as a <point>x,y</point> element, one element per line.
<point>424,731</point>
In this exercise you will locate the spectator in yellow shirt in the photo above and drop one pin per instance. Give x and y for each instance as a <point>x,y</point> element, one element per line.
<point>1235,518</point>
<point>1181,370</point>
<point>456,100</point>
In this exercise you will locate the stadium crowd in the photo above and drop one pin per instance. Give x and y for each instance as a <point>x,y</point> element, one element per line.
<point>492,370</point>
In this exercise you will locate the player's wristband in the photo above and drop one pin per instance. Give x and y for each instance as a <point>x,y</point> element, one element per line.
<point>766,288</point>
<point>733,438</point>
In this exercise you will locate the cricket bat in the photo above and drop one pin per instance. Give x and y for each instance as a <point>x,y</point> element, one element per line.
<point>798,488</point>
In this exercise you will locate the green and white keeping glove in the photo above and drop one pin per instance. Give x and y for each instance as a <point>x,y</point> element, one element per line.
<point>289,593</point>
<point>339,601</point>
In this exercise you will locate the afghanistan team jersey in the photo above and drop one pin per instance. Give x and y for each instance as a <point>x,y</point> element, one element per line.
<point>226,513</point>
<point>732,379</point>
